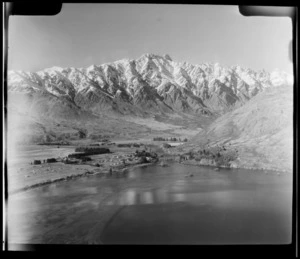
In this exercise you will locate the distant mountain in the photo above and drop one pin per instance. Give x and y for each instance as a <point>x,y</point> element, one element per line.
<point>261,131</point>
<point>149,85</point>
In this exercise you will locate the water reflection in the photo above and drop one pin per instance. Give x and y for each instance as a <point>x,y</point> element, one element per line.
<point>146,198</point>
<point>179,186</point>
<point>130,197</point>
<point>54,189</point>
<point>134,174</point>
<point>161,196</point>
<point>232,206</point>
<point>139,197</point>
<point>92,204</point>
<point>177,197</point>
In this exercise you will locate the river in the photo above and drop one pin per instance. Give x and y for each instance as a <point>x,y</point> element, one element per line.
<point>157,205</point>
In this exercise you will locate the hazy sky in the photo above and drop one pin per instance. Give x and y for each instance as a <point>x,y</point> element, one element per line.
<point>85,34</point>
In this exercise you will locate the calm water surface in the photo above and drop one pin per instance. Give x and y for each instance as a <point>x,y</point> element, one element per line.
<point>157,205</point>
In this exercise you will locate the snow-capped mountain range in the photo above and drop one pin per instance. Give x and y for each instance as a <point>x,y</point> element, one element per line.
<point>148,85</point>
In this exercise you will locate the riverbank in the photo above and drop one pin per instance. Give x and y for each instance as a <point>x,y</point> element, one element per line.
<point>24,174</point>
<point>87,172</point>
<point>177,158</point>
<point>196,163</point>
<point>226,156</point>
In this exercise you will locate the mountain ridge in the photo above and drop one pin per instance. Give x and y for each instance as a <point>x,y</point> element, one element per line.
<point>261,132</point>
<point>149,85</point>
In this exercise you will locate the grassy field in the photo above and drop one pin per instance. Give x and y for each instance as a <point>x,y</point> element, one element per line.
<point>22,174</point>
<point>31,130</point>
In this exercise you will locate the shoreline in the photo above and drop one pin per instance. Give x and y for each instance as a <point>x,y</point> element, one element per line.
<point>120,171</point>
<point>239,167</point>
<point>104,172</point>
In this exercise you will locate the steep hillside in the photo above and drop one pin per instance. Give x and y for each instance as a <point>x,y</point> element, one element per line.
<point>261,131</point>
<point>147,86</point>
<point>128,97</point>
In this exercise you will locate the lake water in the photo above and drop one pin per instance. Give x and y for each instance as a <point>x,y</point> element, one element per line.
<point>157,205</point>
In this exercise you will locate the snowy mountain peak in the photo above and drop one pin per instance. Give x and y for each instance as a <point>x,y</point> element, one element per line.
<point>53,69</point>
<point>151,83</point>
<point>167,56</point>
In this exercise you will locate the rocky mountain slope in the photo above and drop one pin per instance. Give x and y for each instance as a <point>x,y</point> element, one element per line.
<point>151,84</point>
<point>57,104</point>
<point>261,131</point>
